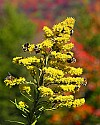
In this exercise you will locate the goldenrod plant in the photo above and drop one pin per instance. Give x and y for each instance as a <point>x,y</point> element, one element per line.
<point>55,80</point>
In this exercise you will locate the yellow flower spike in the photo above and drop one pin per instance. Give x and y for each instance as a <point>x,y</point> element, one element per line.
<point>61,98</point>
<point>69,88</point>
<point>65,26</point>
<point>61,28</point>
<point>78,102</point>
<point>62,39</point>
<point>46,44</point>
<point>70,22</point>
<point>60,56</point>
<point>9,83</point>
<point>49,79</point>
<point>74,80</point>
<point>48,31</point>
<point>16,59</point>
<point>67,47</point>
<point>25,88</point>
<point>73,71</point>
<point>15,81</point>
<point>68,104</point>
<point>20,80</point>
<point>22,104</point>
<point>29,60</point>
<point>45,91</point>
<point>52,74</point>
<point>54,81</point>
<point>30,67</point>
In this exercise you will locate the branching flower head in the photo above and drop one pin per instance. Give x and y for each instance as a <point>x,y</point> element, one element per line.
<point>55,81</point>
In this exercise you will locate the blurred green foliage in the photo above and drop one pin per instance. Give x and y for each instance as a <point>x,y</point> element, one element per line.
<point>88,27</point>
<point>15,29</point>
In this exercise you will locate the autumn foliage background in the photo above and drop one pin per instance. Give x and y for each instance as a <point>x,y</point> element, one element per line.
<point>21,22</point>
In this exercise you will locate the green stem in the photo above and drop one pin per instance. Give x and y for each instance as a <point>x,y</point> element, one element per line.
<point>46,62</point>
<point>18,122</point>
<point>27,97</point>
<point>32,118</point>
<point>34,122</point>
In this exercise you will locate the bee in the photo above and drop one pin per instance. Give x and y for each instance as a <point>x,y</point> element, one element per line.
<point>71,60</point>
<point>36,49</point>
<point>25,47</point>
<point>10,77</point>
<point>85,82</point>
<point>71,32</point>
<point>76,88</point>
<point>62,30</point>
<point>69,54</point>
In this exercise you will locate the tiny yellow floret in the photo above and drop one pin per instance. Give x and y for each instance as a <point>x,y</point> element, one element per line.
<point>25,88</point>
<point>48,31</point>
<point>22,104</point>
<point>15,81</point>
<point>45,91</point>
<point>78,102</point>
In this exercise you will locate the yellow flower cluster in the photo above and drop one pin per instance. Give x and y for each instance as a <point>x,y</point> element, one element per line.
<point>59,60</point>
<point>67,104</point>
<point>61,98</point>
<point>67,101</point>
<point>73,71</point>
<point>74,80</point>
<point>55,63</point>
<point>60,56</point>
<point>30,67</point>
<point>14,81</point>
<point>62,39</point>
<point>52,74</point>
<point>61,32</point>
<point>26,61</point>
<point>59,35</point>
<point>29,60</point>
<point>45,91</point>
<point>21,104</point>
<point>78,102</point>
<point>16,59</point>
<point>74,103</point>
<point>46,44</point>
<point>48,31</point>
<point>67,47</point>
<point>70,22</point>
<point>25,88</point>
<point>70,88</point>
<point>61,28</point>
<point>31,47</point>
<point>64,25</point>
